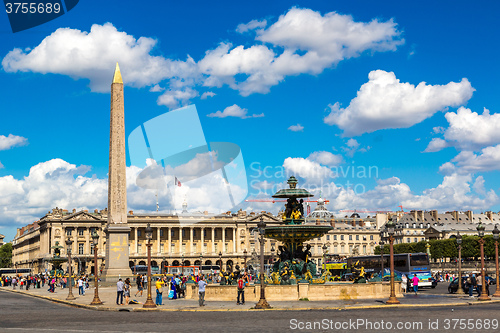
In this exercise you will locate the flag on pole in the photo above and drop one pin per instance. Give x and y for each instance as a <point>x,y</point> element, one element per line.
<point>177,182</point>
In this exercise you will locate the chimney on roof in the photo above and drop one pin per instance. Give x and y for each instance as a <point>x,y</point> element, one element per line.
<point>455,215</point>
<point>420,214</point>
<point>332,222</point>
<point>434,214</point>
<point>96,211</point>
<point>469,215</point>
<point>414,214</point>
<point>74,210</point>
<point>488,214</point>
<point>130,212</point>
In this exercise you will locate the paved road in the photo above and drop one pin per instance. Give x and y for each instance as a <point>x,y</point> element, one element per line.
<point>20,313</point>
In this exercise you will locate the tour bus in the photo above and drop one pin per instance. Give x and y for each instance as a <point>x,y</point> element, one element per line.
<point>14,271</point>
<point>184,270</point>
<point>143,269</point>
<point>404,263</point>
<point>336,265</point>
<point>210,269</point>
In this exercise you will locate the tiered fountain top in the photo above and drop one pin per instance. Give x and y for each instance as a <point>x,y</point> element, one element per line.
<point>292,192</point>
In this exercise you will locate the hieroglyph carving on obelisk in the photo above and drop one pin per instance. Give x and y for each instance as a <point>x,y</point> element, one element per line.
<point>117,230</point>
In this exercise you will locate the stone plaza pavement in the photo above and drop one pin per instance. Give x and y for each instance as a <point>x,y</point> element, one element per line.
<point>108,296</point>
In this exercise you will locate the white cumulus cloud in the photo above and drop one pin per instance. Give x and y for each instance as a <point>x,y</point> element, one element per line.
<point>385,102</point>
<point>10,141</point>
<point>296,128</point>
<point>326,158</point>
<point>234,111</point>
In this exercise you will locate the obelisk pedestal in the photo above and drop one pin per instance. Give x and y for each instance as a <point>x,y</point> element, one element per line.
<point>117,229</point>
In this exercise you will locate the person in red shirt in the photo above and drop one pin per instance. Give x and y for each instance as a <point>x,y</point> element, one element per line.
<point>415,283</point>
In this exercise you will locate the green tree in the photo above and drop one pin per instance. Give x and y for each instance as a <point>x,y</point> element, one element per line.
<point>6,255</point>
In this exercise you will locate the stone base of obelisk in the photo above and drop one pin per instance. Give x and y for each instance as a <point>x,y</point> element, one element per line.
<point>117,255</point>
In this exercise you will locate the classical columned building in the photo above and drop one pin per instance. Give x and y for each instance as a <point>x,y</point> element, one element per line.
<point>178,240</point>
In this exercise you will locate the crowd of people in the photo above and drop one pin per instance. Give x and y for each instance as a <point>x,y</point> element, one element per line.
<point>39,281</point>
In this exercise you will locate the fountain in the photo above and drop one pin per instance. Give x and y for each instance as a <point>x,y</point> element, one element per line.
<point>294,258</point>
<point>56,261</point>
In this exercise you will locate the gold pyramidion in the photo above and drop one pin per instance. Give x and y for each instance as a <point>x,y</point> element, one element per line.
<point>117,78</point>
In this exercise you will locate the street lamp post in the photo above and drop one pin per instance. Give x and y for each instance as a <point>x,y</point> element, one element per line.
<point>182,265</point>
<point>459,242</point>
<point>496,232</point>
<point>245,258</point>
<point>381,245</point>
<point>480,231</point>
<point>272,256</point>
<point>96,300</point>
<point>262,304</point>
<point>390,230</point>
<point>220,260</point>
<point>325,250</point>
<point>70,297</point>
<point>149,235</point>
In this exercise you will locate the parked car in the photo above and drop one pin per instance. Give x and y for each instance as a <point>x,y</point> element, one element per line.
<point>453,286</point>
<point>434,283</point>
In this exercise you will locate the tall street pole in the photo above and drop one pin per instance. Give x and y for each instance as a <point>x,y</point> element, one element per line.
<point>262,304</point>
<point>484,295</point>
<point>459,242</point>
<point>70,297</point>
<point>149,302</point>
<point>496,232</point>
<point>390,228</point>
<point>96,300</point>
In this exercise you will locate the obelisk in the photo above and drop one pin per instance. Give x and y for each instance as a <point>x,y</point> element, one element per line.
<point>117,229</point>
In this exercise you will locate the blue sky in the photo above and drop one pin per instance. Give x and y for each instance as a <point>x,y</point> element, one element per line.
<point>309,88</point>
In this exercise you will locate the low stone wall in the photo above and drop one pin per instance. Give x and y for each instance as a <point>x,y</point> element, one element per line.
<point>313,292</point>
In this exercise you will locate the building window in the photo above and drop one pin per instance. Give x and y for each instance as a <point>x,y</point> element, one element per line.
<point>215,233</point>
<point>408,240</point>
<point>364,249</point>
<point>216,248</point>
<point>183,247</point>
<point>194,232</point>
<point>139,250</point>
<point>342,249</point>
<point>327,237</point>
<point>335,249</point>
<point>205,247</point>
<point>68,232</point>
<point>350,249</point>
<point>371,237</point>
<point>172,248</point>
<point>183,233</point>
<point>350,237</point>
<point>334,237</point>
<point>80,248</point>
<point>161,247</point>
<point>341,237</point>
<point>138,233</point>
<point>92,249</point>
<point>80,232</point>
<point>204,233</point>
<point>357,237</point>
<point>161,232</point>
<point>415,240</point>
<point>226,248</point>
<point>172,233</point>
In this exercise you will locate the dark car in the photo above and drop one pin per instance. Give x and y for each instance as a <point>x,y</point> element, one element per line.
<point>490,280</point>
<point>453,287</point>
<point>434,283</point>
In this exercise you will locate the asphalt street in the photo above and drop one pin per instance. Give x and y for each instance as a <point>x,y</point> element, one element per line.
<point>20,313</point>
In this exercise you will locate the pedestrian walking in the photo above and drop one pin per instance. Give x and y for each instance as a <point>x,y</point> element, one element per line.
<point>479,282</point>
<point>415,283</point>
<point>126,290</point>
<point>471,282</point>
<point>159,291</point>
<point>201,291</point>
<point>119,292</point>
<point>404,282</point>
<point>140,288</point>
<point>241,291</point>
<point>80,286</point>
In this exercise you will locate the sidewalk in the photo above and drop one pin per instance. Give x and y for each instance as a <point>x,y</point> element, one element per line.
<point>108,296</point>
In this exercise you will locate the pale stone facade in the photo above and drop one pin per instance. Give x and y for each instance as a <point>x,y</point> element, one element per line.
<point>1,239</point>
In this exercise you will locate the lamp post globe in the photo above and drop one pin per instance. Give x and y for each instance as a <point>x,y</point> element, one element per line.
<point>149,235</point>
<point>496,233</point>
<point>390,231</point>
<point>70,297</point>
<point>480,231</point>
<point>96,300</point>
